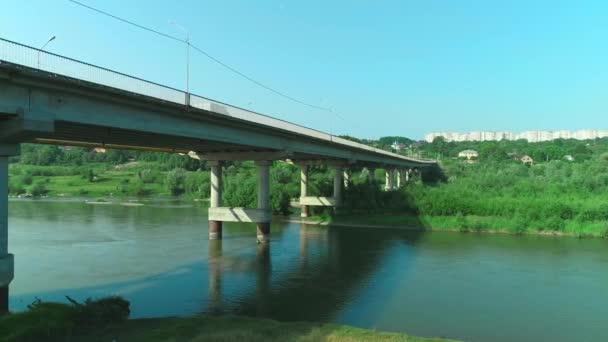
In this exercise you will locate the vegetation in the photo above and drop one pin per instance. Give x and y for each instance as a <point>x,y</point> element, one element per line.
<point>553,195</point>
<point>106,320</point>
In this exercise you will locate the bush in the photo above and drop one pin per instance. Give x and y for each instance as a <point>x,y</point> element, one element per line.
<point>280,202</point>
<point>16,186</point>
<point>38,189</point>
<point>27,179</point>
<point>147,176</point>
<point>175,180</point>
<point>197,184</point>
<point>57,322</point>
<point>138,189</point>
<point>520,225</point>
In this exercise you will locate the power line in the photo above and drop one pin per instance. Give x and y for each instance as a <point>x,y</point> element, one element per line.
<point>127,21</point>
<point>206,54</point>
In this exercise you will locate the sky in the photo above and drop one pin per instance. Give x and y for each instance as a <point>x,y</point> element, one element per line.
<point>398,67</point>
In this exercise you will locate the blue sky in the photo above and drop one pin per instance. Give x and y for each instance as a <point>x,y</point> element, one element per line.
<point>387,67</point>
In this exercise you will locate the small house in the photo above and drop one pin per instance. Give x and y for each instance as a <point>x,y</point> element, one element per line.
<point>469,155</point>
<point>526,159</point>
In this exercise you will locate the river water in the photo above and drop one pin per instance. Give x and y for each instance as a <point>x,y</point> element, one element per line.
<point>473,287</point>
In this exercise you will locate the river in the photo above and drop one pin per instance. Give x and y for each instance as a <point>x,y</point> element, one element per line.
<point>472,287</point>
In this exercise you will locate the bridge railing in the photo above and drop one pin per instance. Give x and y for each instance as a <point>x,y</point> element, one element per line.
<point>33,58</point>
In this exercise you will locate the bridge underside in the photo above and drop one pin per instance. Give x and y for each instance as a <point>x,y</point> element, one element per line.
<point>44,108</point>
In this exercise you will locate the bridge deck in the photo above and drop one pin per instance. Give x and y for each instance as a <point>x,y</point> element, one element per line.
<point>55,99</point>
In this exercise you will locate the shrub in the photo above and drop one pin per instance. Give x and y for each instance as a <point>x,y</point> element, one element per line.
<point>147,176</point>
<point>280,202</point>
<point>175,180</point>
<point>197,184</point>
<point>520,225</point>
<point>16,186</point>
<point>554,223</point>
<point>57,322</point>
<point>139,189</point>
<point>38,189</point>
<point>27,179</point>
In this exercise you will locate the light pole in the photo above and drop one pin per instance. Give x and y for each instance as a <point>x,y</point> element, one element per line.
<point>172,22</point>
<point>42,49</point>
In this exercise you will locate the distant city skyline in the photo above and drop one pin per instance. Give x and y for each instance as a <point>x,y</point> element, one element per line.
<point>531,136</point>
<point>388,68</point>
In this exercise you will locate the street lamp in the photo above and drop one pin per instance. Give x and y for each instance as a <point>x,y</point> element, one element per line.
<point>42,48</point>
<point>172,22</point>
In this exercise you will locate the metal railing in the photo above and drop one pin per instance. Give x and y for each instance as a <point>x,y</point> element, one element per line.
<point>20,54</point>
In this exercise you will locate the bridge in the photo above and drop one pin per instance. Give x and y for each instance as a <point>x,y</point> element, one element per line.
<point>50,99</point>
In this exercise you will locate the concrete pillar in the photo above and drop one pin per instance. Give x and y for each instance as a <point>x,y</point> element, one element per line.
<point>387,179</point>
<point>346,178</point>
<point>215,199</point>
<point>398,176</point>
<point>7,260</point>
<point>407,175</point>
<point>390,179</point>
<point>263,232</point>
<point>304,187</point>
<point>338,182</point>
<point>372,174</point>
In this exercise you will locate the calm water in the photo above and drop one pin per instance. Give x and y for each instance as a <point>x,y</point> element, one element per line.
<point>462,286</point>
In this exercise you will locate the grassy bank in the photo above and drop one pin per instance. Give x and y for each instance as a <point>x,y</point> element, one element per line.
<point>106,320</point>
<point>480,224</point>
<point>204,328</point>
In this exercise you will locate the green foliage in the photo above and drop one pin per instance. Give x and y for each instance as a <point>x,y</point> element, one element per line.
<point>90,175</point>
<point>38,189</point>
<point>148,176</point>
<point>197,184</point>
<point>56,322</point>
<point>175,181</point>
<point>240,189</point>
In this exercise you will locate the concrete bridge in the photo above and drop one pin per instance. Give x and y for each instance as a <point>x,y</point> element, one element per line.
<point>50,99</point>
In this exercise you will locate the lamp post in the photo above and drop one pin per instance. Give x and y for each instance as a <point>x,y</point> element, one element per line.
<point>187,59</point>
<point>42,49</point>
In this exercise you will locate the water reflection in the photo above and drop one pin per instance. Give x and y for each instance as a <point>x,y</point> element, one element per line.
<point>492,288</point>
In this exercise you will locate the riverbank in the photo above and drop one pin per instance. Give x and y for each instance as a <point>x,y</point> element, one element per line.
<point>477,224</point>
<point>104,320</point>
<point>206,328</point>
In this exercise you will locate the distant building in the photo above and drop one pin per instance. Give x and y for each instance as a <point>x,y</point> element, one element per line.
<point>470,155</point>
<point>526,159</point>
<point>531,136</point>
<point>398,146</point>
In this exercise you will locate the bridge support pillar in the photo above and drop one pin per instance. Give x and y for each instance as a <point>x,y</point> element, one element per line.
<point>263,230</point>
<point>304,188</point>
<point>371,175</point>
<point>7,260</point>
<point>390,179</point>
<point>346,177</point>
<point>215,199</point>
<point>407,175</point>
<point>338,182</point>
<point>400,178</point>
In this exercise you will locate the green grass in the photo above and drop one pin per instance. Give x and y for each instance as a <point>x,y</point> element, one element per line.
<point>105,320</point>
<point>240,329</point>
<point>492,224</point>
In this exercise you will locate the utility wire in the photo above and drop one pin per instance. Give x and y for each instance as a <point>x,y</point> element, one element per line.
<point>127,21</point>
<point>216,60</point>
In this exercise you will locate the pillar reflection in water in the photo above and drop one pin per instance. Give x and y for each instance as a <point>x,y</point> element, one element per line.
<point>263,279</point>
<point>215,277</point>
